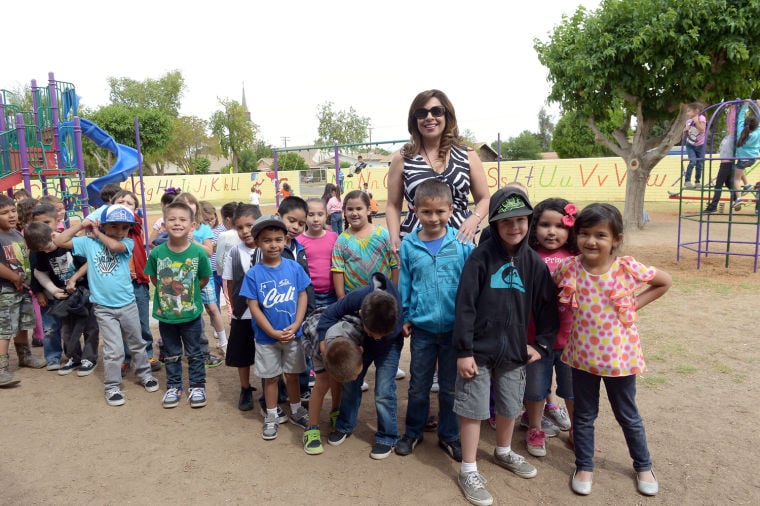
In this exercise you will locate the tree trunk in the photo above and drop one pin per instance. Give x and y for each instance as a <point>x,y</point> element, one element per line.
<point>635,190</point>
<point>234,162</point>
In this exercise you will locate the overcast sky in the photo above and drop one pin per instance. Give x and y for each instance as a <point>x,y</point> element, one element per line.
<point>293,56</point>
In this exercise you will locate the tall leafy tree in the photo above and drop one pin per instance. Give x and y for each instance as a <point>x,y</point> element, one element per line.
<point>233,129</point>
<point>291,161</point>
<point>655,56</point>
<point>525,146</point>
<point>190,142</point>
<point>545,129</point>
<point>164,93</point>
<point>346,127</point>
<point>574,139</point>
<point>156,130</point>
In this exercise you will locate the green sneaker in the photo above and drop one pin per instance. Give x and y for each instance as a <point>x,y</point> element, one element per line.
<point>334,417</point>
<point>312,441</point>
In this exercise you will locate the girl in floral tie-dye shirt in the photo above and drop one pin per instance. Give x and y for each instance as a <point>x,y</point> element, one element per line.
<point>601,290</point>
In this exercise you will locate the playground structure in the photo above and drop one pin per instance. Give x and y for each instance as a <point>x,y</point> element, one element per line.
<point>45,144</point>
<point>726,232</point>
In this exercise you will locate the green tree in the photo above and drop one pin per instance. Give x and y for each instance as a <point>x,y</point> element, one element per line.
<point>545,129</point>
<point>291,161</point>
<point>574,139</point>
<point>164,93</point>
<point>156,131</point>
<point>200,165</point>
<point>655,56</point>
<point>233,129</point>
<point>190,141</point>
<point>467,137</point>
<point>346,127</point>
<point>525,146</point>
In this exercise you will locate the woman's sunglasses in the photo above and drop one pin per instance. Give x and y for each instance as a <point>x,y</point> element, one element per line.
<point>436,111</point>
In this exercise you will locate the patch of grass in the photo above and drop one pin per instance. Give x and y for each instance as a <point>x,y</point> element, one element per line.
<point>739,379</point>
<point>721,367</point>
<point>685,369</point>
<point>653,380</point>
<point>655,357</point>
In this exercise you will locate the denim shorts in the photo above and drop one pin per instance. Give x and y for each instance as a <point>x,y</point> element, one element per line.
<point>743,164</point>
<point>208,294</point>
<point>472,396</point>
<point>538,380</point>
<point>274,359</point>
<point>16,312</point>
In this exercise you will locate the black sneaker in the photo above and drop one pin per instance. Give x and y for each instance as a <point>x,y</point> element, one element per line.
<point>114,397</point>
<point>710,210</point>
<point>68,367</point>
<point>85,368</point>
<point>246,399</point>
<point>453,448</point>
<point>406,444</point>
<point>380,451</point>
<point>336,437</point>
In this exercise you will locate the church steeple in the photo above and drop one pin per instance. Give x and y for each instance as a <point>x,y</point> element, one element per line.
<point>245,105</point>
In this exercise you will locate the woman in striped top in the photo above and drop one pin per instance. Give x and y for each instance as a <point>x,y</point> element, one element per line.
<point>435,151</point>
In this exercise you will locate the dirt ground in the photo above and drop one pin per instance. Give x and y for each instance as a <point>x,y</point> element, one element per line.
<point>63,445</point>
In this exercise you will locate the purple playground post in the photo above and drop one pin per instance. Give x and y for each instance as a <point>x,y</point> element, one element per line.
<point>337,169</point>
<point>276,180</point>
<point>80,165</point>
<point>23,155</point>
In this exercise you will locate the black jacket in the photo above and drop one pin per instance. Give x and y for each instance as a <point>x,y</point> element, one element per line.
<point>497,295</point>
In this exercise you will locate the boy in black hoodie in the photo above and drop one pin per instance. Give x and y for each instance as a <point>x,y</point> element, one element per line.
<point>506,282</point>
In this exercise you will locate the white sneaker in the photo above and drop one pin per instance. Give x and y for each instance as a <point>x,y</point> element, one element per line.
<point>436,387</point>
<point>400,374</point>
<point>365,386</point>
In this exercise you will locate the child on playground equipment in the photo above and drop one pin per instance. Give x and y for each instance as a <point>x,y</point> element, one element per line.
<point>747,148</point>
<point>694,131</point>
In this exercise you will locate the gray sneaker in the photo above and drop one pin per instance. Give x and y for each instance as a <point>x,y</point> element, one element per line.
<point>270,428</point>
<point>474,488</point>
<point>515,463</point>
<point>300,418</point>
<point>559,417</point>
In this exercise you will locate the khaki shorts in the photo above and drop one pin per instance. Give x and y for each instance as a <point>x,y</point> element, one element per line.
<point>16,313</point>
<point>274,359</point>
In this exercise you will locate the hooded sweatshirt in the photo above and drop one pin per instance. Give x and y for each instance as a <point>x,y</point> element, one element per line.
<point>495,299</point>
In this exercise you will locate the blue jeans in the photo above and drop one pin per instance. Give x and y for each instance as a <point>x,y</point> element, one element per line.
<point>621,392</point>
<point>386,364</point>
<point>175,336</point>
<point>218,290</point>
<point>324,299</point>
<point>538,378</point>
<point>336,222</point>
<point>426,349</point>
<point>52,346</point>
<point>696,156</point>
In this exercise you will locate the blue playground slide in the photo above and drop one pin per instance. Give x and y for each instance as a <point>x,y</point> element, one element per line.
<point>126,160</point>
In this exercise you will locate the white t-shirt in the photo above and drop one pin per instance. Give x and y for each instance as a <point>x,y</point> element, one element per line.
<point>245,260</point>
<point>227,240</point>
<point>254,198</point>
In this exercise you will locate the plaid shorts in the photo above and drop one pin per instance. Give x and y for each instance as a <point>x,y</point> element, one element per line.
<point>16,313</point>
<point>208,295</point>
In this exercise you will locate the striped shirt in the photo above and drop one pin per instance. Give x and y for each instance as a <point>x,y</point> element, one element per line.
<point>358,259</point>
<point>456,175</point>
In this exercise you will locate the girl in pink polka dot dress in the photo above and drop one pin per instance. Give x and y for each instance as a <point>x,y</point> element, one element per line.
<point>604,291</point>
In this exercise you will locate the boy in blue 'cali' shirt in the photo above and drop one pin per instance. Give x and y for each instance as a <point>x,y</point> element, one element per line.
<point>276,293</point>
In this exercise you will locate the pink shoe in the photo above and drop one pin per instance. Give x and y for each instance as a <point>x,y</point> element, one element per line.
<point>536,442</point>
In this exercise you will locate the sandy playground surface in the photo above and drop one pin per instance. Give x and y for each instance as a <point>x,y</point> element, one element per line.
<point>63,445</point>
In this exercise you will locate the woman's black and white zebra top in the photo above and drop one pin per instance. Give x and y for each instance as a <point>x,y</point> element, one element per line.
<point>456,175</point>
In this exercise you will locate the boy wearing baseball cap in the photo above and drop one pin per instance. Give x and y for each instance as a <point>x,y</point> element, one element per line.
<point>107,250</point>
<point>276,292</point>
<point>506,281</point>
